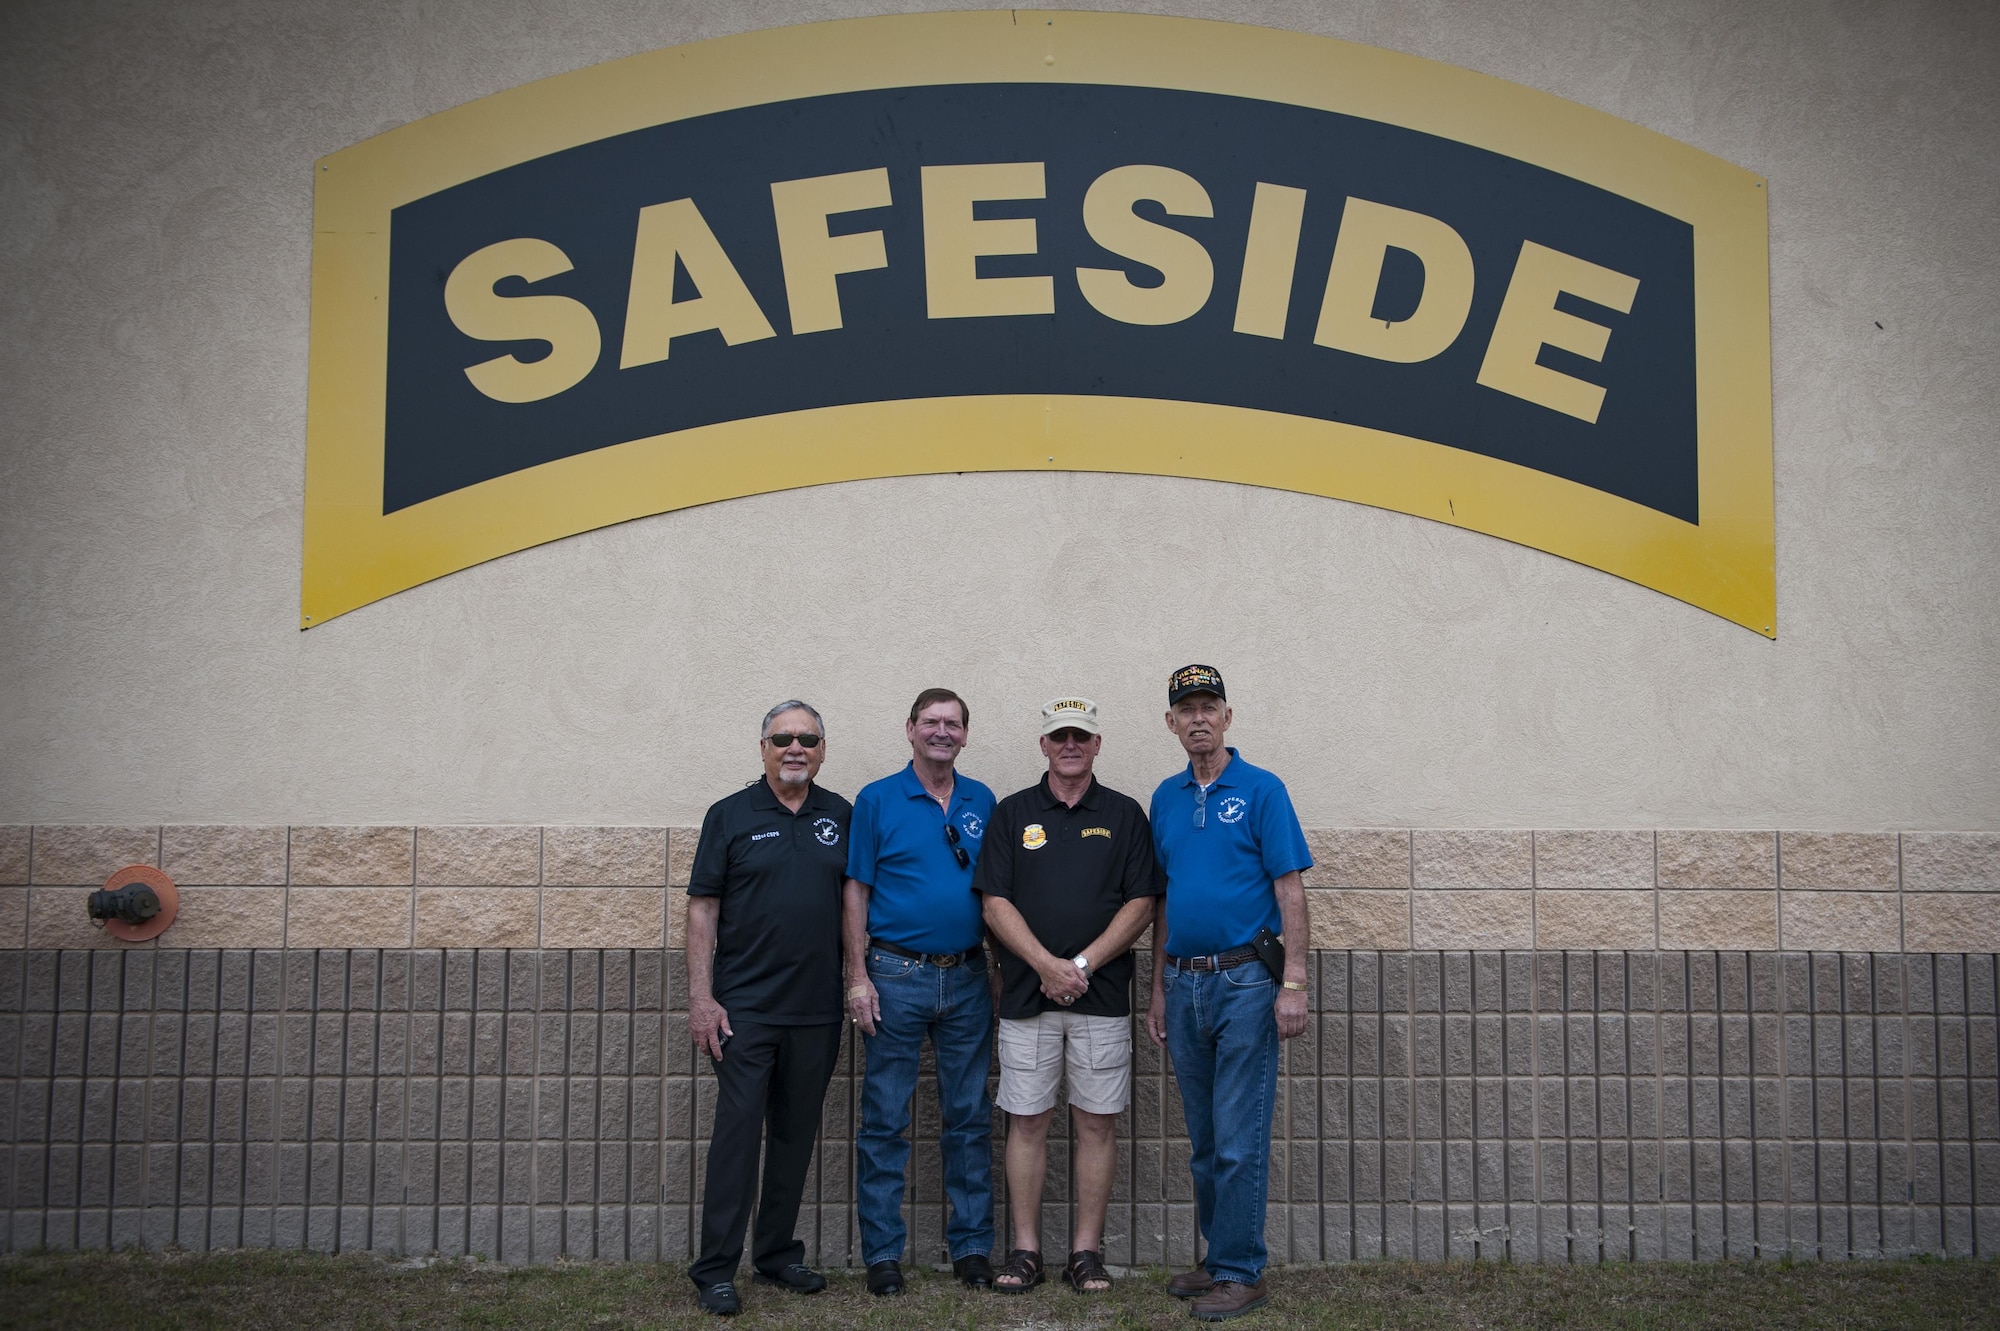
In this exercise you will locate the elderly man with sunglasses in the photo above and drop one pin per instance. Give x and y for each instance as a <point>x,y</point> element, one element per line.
<point>763,961</point>
<point>1069,881</point>
<point>1225,989</point>
<point>915,968</point>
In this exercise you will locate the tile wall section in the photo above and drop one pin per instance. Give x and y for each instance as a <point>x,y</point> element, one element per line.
<point>532,1105</point>
<point>602,887</point>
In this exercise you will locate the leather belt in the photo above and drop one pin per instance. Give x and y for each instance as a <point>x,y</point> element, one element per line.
<point>1221,961</point>
<point>942,960</point>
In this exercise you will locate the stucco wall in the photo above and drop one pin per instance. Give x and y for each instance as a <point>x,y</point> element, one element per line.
<point>155,193</point>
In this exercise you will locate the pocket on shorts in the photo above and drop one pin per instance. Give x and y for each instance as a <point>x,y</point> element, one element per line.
<point>1020,1045</point>
<point>1107,1043</point>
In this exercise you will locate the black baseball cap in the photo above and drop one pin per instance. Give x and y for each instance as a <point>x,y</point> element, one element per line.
<point>1194,679</point>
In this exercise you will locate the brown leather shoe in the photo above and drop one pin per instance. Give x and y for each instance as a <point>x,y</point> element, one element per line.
<point>1228,1299</point>
<point>1189,1284</point>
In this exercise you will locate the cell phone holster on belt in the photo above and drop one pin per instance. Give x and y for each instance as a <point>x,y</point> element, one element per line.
<point>1271,951</point>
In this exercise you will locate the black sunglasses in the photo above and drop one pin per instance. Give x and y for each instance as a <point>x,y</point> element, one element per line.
<point>951,837</point>
<point>784,741</point>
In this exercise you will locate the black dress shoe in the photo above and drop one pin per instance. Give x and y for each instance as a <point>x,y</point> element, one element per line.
<point>798,1278</point>
<point>720,1299</point>
<point>885,1277</point>
<point>973,1271</point>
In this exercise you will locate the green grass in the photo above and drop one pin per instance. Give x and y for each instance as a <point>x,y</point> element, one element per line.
<point>133,1292</point>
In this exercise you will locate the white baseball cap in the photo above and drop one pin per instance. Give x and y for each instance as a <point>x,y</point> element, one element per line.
<point>1069,714</point>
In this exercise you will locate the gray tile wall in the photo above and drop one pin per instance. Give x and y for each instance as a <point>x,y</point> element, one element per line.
<point>527,1105</point>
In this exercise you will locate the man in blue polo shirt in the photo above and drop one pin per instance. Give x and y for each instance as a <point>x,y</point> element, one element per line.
<point>1232,851</point>
<point>911,929</point>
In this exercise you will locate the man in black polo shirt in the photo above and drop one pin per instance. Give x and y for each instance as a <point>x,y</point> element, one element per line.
<point>763,960</point>
<point>1068,881</point>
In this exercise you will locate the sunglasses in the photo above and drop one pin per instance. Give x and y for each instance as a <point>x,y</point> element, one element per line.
<point>958,851</point>
<point>784,741</point>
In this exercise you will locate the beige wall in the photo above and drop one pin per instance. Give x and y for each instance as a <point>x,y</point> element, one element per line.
<point>1384,889</point>
<point>154,247</point>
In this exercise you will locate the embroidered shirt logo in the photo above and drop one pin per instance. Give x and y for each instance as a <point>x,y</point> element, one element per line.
<point>1097,831</point>
<point>973,825</point>
<point>765,836</point>
<point>826,831</point>
<point>1233,809</point>
<point>1033,837</point>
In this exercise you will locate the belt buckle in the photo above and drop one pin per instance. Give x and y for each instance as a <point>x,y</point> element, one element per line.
<point>943,960</point>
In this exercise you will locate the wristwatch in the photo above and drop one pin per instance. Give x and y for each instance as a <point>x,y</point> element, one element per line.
<point>1082,963</point>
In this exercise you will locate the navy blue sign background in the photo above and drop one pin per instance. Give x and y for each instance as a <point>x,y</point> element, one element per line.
<point>441,434</point>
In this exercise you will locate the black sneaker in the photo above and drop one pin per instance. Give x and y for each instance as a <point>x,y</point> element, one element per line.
<point>885,1277</point>
<point>974,1271</point>
<point>798,1278</point>
<point>720,1299</point>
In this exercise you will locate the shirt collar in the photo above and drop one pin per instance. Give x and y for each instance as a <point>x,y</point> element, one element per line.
<point>1088,801</point>
<point>913,788</point>
<point>1222,779</point>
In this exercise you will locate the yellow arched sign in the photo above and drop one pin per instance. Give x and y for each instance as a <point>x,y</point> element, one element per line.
<point>1018,241</point>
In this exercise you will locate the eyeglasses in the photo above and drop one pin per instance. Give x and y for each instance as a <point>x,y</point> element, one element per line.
<point>958,851</point>
<point>784,741</point>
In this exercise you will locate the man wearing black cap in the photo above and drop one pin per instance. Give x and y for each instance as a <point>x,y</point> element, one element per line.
<point>1068,880</point>
<point>763,960</point>
<point>1232,851</point>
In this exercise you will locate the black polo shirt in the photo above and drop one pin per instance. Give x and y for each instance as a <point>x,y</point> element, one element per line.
<point>1068,871</point>
<point>779,874</point>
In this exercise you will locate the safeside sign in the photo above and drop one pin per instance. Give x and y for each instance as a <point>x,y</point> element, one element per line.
<point>1033,241</point>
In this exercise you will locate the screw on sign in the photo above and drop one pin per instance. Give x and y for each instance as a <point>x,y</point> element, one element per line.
<point>136,903</point>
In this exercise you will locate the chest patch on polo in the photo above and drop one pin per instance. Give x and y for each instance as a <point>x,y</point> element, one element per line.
<point>1097,831</point>
<point>1033,837</point>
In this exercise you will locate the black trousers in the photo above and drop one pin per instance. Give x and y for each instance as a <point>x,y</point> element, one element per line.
<point>770,1084</point>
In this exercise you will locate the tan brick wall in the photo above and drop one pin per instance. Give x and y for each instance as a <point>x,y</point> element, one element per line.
<point>1385,888</point>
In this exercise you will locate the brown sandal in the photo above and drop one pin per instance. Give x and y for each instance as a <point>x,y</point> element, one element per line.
<point>1024,1266</point>
<point>1084,1269</point>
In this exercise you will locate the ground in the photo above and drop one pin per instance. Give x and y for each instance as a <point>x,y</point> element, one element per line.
<point>132,1291</point>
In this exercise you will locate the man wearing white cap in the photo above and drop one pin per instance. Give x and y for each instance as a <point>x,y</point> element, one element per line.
<point>1068,880</point>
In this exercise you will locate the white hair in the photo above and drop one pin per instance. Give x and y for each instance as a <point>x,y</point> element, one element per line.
<point>791,705</point>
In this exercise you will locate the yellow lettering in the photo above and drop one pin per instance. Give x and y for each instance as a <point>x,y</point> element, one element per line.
<point>479,312</point>
<point>1269,258</point>
<point>1346,317</point>
<point>1529,321</point>
<point>1187,273</point>
<point>954,240</point>
<point>814,259</point>
<point>653,318</point>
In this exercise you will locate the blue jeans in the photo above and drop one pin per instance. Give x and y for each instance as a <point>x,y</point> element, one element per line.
<point>1223,1036</point>
<point>953,1006</point>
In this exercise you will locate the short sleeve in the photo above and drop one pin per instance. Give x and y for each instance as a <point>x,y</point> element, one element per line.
<point>1142,876</point>
<point>861,835</point>
<point>710,874</point>
<point>993,875</point>
<point>1279,837</point>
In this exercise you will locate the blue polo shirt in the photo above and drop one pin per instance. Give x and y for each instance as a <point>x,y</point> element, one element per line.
<point>918,897</point>
<point>1220,873</point>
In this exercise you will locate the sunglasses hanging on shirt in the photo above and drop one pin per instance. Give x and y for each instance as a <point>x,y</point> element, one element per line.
<point>958,851</point>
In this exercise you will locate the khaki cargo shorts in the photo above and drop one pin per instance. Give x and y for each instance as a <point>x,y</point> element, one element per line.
<point>1036,1051</point>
